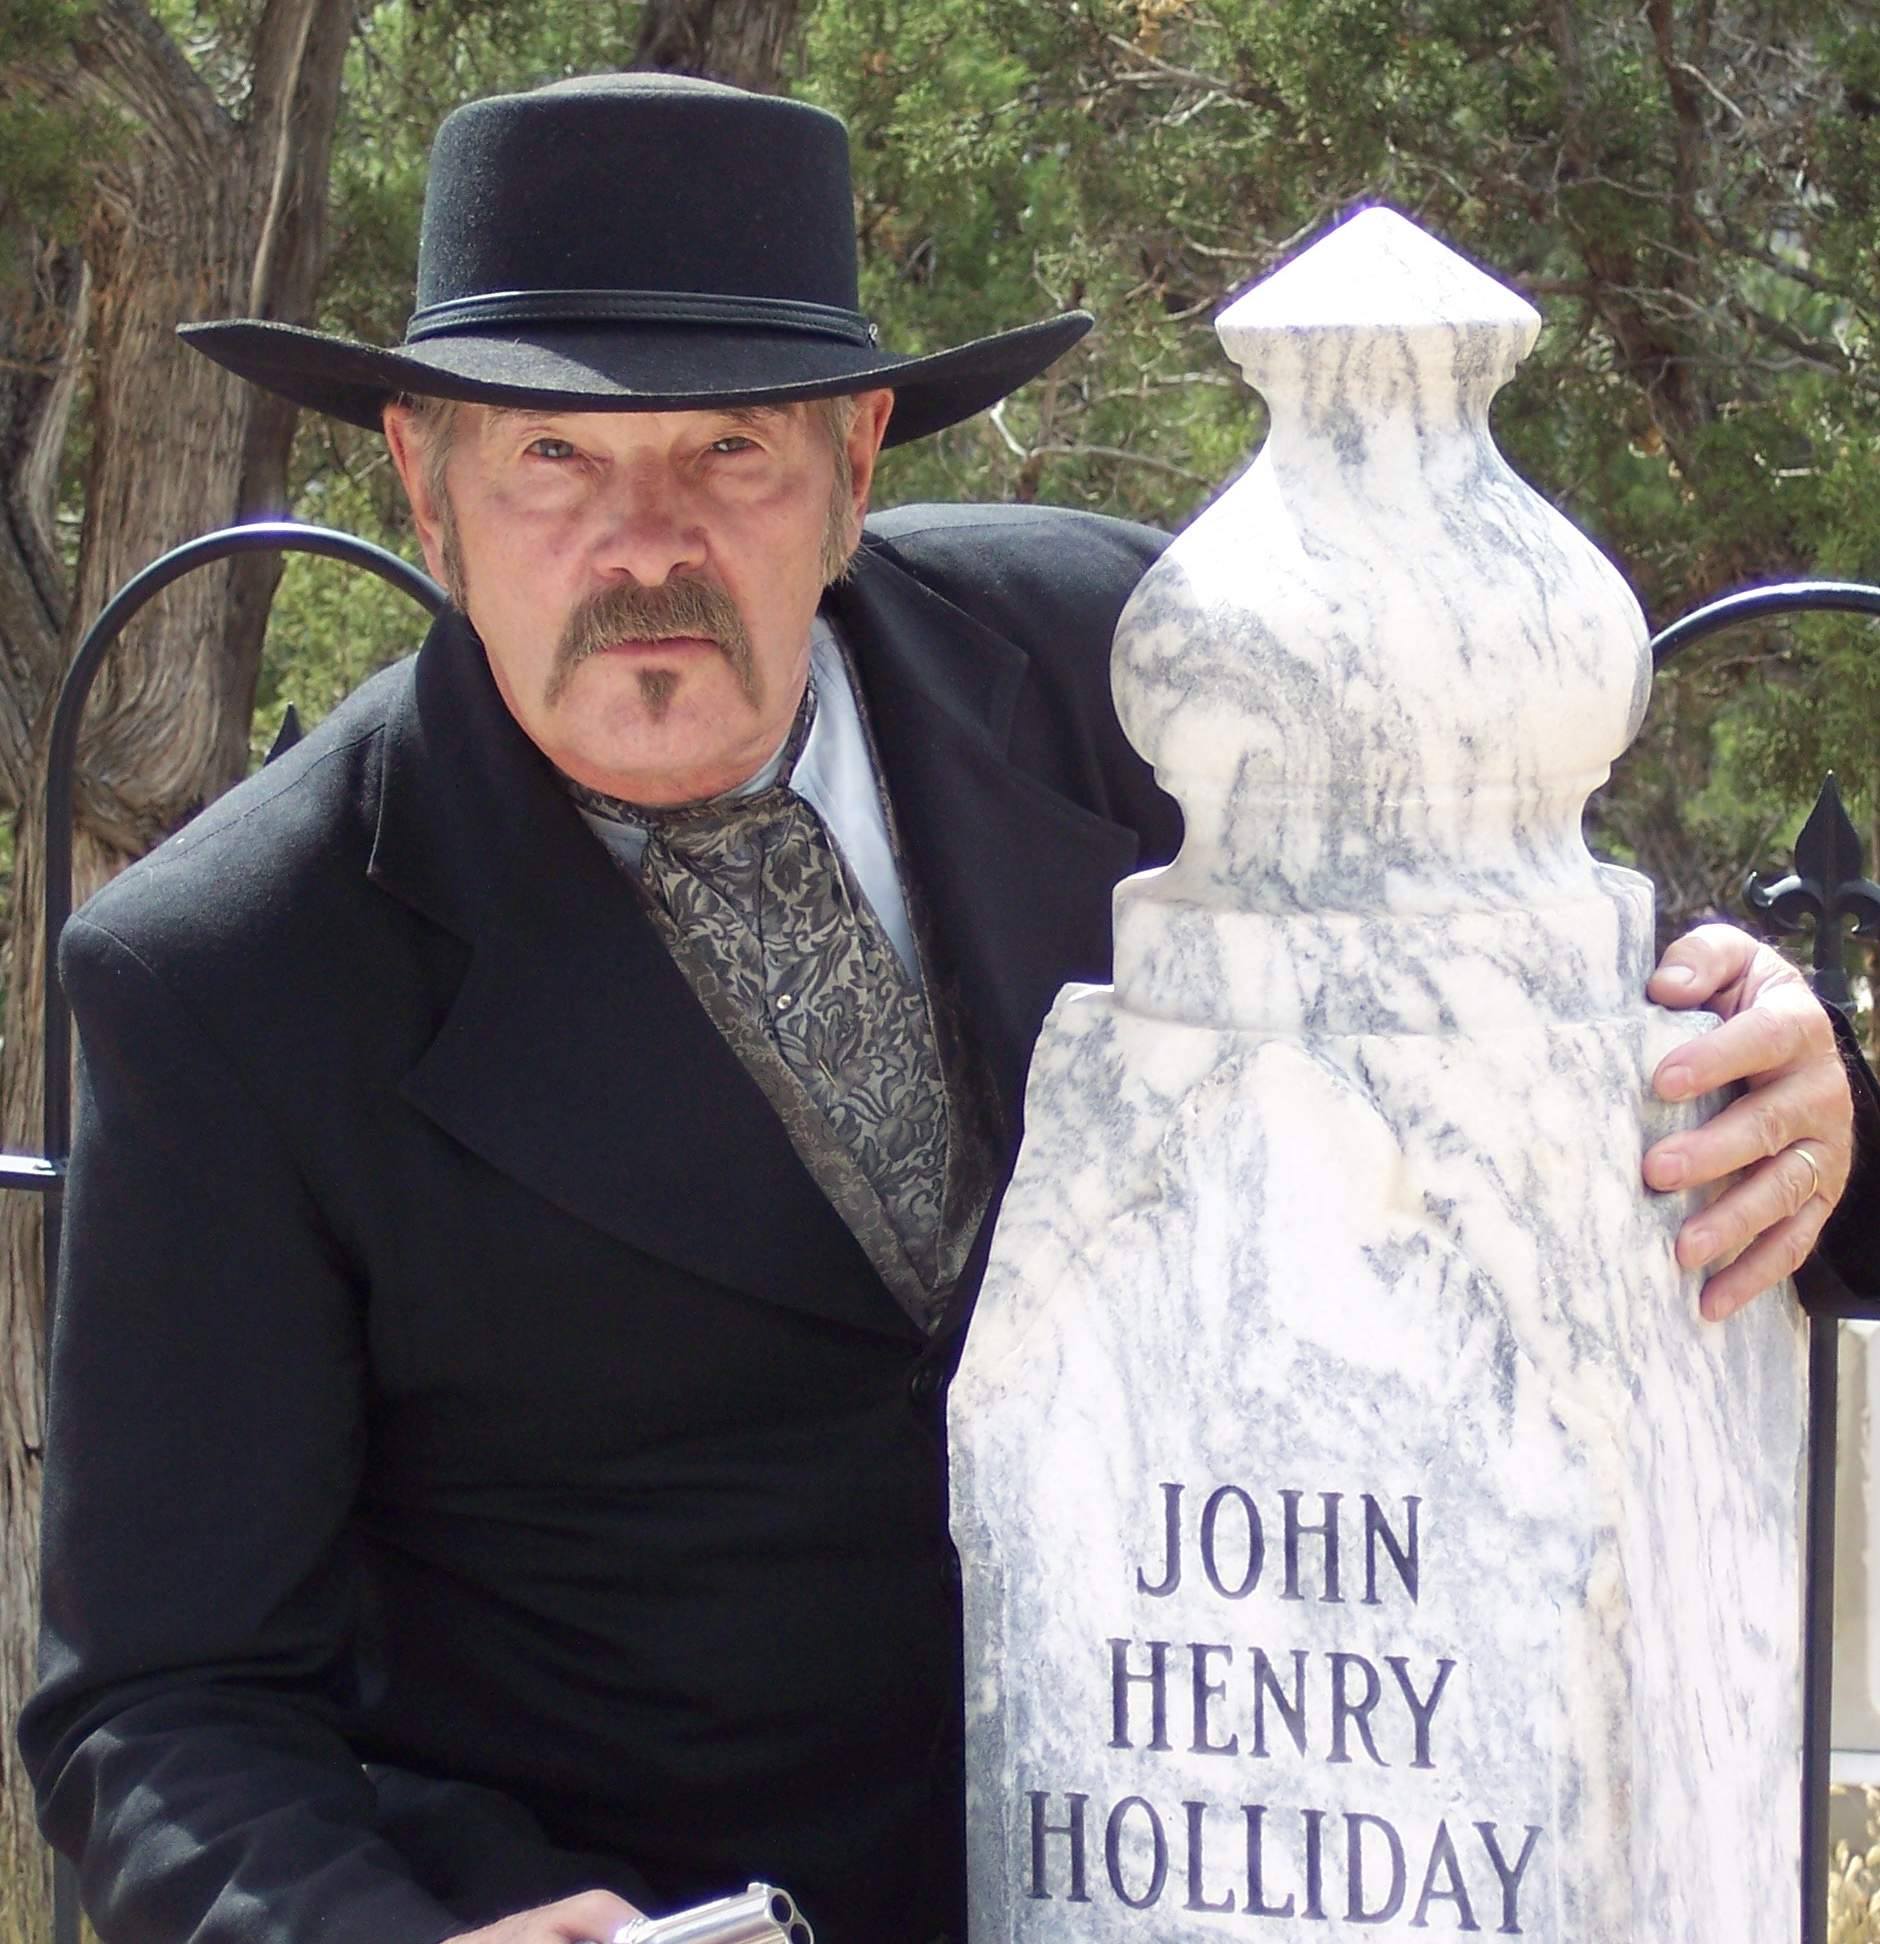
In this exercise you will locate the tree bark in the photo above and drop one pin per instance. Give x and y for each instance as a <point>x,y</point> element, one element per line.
<point>204,214</point>
<point>42,319</point>
<point>744,42</point>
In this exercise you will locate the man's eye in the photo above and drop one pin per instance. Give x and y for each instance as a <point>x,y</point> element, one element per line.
<point>550,449</point>
<point>734,442</point>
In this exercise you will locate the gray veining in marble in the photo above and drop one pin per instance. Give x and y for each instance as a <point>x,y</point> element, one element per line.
<point>1336,1192</point>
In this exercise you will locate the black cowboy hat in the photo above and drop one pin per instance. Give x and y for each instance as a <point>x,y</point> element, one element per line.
<point>637,242</point>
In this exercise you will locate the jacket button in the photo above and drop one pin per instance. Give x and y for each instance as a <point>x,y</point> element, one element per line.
<point>924,1382</point>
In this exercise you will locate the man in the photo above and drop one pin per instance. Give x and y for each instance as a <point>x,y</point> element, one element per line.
<point>532,1168</point>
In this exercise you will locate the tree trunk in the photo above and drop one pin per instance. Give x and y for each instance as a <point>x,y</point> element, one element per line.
<point>745,42</point>
<point>1642,294</point>
<point>203,215</point>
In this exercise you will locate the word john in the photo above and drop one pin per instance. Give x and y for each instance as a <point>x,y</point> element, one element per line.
<point>1231,1536</point>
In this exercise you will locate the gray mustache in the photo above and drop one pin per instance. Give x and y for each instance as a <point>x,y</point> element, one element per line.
<point>629,612</point>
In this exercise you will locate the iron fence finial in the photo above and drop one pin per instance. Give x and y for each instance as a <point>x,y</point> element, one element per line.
<point>1823,892</point>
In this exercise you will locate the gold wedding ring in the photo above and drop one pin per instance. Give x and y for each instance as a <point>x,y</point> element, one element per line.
<point>1814,1173</point>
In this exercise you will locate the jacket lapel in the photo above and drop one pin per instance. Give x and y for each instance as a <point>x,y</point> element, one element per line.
<point>574,1057</point>
<point>1016,875</point>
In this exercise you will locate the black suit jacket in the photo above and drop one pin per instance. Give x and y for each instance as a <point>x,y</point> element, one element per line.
<point>481,1464</point>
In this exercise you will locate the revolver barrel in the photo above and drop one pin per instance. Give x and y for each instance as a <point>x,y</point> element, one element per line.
<point>762,1915</point>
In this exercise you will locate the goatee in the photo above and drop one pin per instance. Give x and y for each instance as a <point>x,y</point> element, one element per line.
<point>657,688</point>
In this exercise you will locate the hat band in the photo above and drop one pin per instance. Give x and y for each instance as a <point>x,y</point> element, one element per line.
<point>638,307</point>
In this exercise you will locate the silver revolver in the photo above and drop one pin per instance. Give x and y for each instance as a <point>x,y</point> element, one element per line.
<point>762,1915</point>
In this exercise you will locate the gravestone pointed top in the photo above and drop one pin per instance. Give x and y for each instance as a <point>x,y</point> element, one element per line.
<point>1381,675</point>
<point>1377,271</point>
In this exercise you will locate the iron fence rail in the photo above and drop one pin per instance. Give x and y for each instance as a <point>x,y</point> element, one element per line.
<point>45,1173</point>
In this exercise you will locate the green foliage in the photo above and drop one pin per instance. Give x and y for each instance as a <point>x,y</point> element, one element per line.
<point>1697,217</point>
<point>45,163</point>
<point>29,27</point>
<point>1697,221</point>
<point>333,625</point>
<point>47,154</point>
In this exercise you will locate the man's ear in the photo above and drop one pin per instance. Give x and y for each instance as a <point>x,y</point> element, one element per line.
<point>407,447</point>
<point>866,431</point>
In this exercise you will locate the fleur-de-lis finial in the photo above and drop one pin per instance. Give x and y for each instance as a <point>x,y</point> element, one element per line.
<point>1823,892</point>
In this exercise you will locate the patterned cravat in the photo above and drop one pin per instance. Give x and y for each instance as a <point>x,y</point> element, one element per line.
<point>769,926</point>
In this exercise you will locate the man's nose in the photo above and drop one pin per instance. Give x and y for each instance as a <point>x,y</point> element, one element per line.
<point>649,529</point>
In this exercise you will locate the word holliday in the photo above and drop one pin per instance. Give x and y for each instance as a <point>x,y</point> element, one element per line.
<point>1333,1706</point>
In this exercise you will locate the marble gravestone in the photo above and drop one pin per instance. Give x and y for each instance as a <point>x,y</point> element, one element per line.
<point>1362,1534</point>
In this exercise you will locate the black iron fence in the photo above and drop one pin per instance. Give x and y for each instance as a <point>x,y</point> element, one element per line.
<point>44,1173</point>
<point>1826,895</point>
<point>1824,892</point>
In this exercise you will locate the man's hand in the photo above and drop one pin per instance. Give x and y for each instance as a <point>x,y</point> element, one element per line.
<point>591,1918</point>
<point>1790,1133</point>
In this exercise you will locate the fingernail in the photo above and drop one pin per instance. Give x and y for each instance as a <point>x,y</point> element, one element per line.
<point>1719,1309</point>
<point>1675,1082</point>
<point>1669,1170</point>
<point>1676,975</point>
<point>1697,1247</point>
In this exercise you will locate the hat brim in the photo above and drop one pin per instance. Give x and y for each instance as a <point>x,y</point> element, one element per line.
<point>638,368</point>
